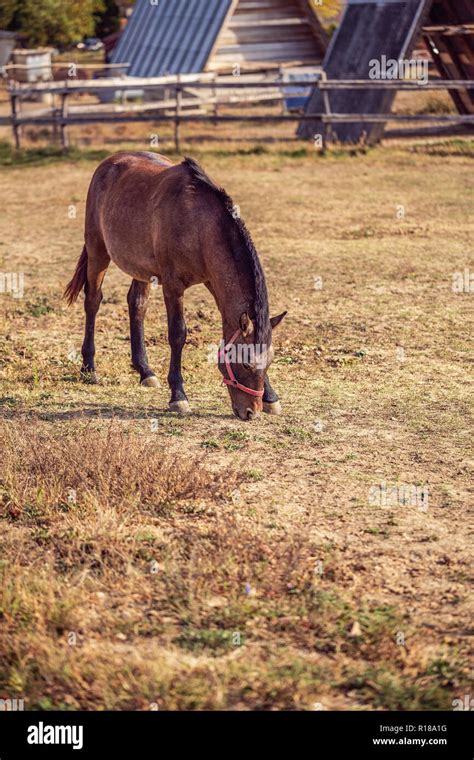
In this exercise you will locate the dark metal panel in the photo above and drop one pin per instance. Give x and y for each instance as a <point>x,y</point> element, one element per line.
<point>367,31</point>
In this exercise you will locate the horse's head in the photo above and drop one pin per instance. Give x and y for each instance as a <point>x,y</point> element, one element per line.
<point>244,364</point>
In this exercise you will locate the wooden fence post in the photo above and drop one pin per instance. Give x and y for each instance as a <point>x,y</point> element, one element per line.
<point>15,125</point>
<point>327,110</point>
<point>179,95</point>
<point>284,109</point>
<point>63,127</point>
<point>214,95</point>
<point>55,113</point>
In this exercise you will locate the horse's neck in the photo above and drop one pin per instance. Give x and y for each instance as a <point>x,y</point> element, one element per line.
<point>234,295</point>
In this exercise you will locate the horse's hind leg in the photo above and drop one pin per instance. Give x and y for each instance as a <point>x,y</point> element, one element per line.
<point>137,304</point>
<point>97,262</point>
<point>177,338</point>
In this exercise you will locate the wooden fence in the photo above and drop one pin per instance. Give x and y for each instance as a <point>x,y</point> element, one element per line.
<point>184,89</point>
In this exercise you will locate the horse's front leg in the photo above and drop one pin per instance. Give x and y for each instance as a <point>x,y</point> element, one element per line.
<point>176,338</point>
<point>271,403</point>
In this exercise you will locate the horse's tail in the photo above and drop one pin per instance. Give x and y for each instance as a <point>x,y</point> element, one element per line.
<point>79,279</point>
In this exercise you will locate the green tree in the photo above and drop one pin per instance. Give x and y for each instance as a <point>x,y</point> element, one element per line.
<point>328,10</point>
<point>55,22</point>
<point>107,21</point>
<point>7,9</point>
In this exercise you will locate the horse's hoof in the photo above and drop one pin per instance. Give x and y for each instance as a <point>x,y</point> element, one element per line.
<point>150,382</point>
<point>181,407</point>
<point>272,407</point>
<point>90,378</point>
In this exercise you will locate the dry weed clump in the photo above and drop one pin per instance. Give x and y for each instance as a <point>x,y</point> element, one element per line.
<point>43,471</point>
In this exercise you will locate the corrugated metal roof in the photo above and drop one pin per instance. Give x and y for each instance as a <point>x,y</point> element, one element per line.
<point>173,37</point>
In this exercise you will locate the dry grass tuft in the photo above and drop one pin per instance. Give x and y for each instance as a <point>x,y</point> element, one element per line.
<point>43,472</point>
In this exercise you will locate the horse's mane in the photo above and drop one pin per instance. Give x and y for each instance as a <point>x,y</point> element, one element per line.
<point>262,315</point>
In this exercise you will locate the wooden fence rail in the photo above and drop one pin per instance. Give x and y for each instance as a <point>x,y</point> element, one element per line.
<point>64,65</point>
<point>62,118</point>
<point>209,80</point>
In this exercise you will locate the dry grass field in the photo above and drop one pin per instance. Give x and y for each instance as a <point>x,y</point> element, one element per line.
<point>155,562</point>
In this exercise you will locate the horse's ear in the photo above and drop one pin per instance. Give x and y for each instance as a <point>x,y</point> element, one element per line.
<point>245,324</point>
<point>275,321</point>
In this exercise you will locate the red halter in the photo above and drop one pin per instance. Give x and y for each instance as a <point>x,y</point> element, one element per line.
<point>231,380</point>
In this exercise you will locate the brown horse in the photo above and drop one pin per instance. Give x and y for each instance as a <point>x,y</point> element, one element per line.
<point>171,224</point>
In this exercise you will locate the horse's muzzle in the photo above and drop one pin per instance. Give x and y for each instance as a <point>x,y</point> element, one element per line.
<point>246,414</point>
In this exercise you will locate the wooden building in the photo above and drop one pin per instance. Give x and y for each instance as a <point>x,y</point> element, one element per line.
<point>190,36</point>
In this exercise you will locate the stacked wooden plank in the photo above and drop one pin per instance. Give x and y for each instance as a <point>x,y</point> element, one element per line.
<point>449,36</point>
<point>266,31</point>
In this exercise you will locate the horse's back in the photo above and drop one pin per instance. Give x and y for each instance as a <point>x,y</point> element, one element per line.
<point>142,187</point>
<point>130,158</point>
<point>121,214</point>
<point>123,162</point>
